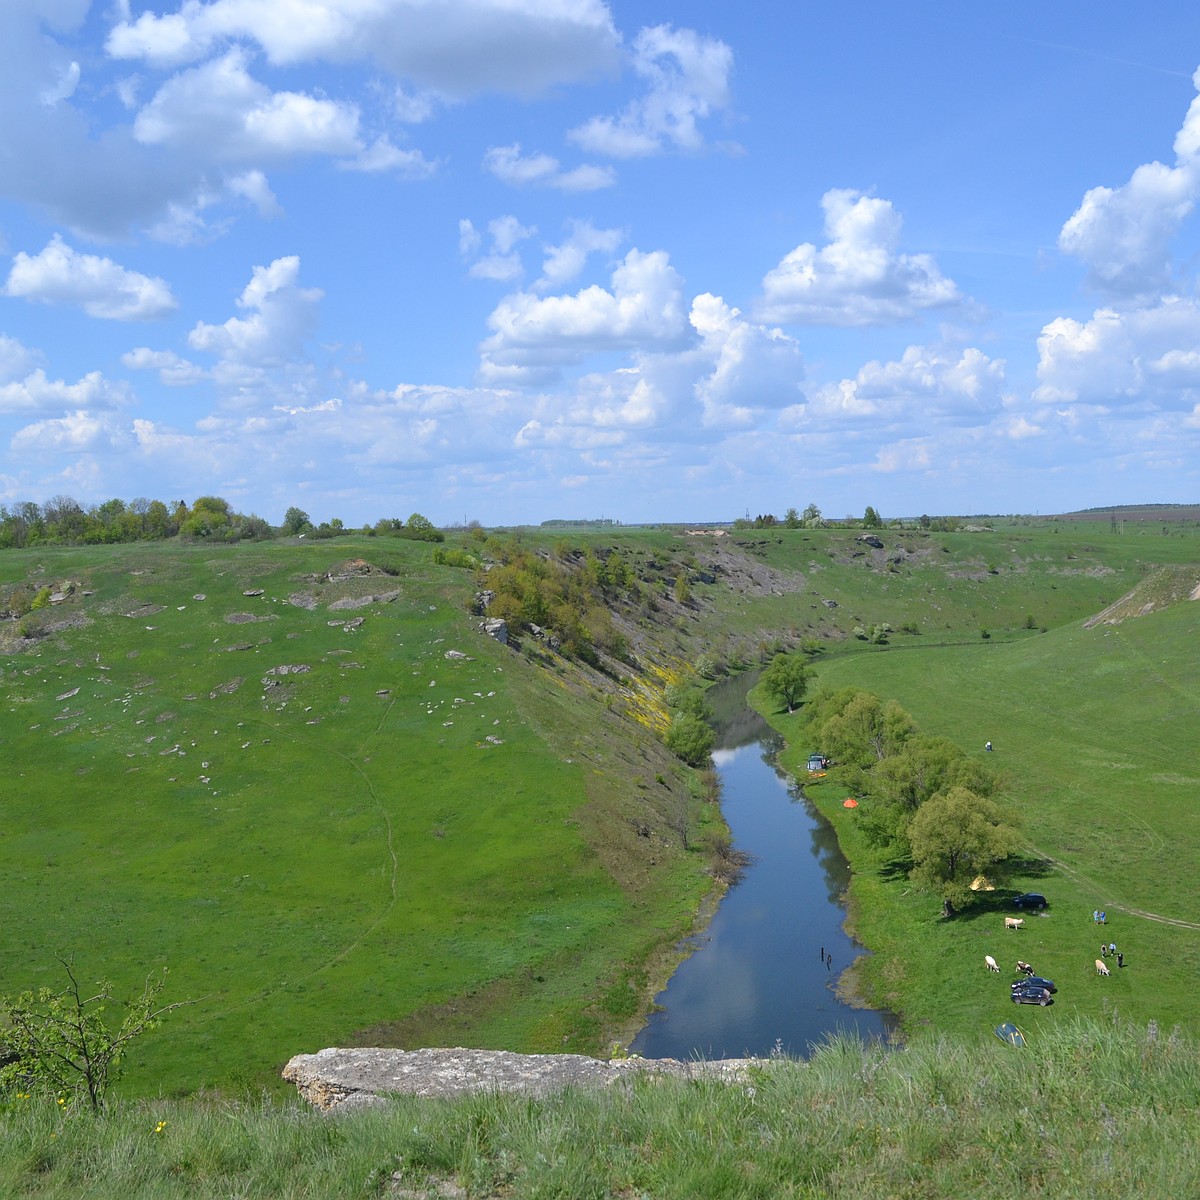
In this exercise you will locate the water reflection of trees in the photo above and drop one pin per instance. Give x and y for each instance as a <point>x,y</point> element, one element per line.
<point>736,723</point>
<point>826,850</point>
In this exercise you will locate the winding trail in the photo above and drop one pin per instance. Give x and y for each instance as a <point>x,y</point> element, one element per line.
<point>1086,880</point>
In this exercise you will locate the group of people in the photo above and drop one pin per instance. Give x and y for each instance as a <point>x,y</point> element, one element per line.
<point>1099,918</point>
<point>1109,950</point>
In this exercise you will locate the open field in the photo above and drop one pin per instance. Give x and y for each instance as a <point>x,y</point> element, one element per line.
<point>1094,734</point>
<point>290,791</point>
<point>387,844</point>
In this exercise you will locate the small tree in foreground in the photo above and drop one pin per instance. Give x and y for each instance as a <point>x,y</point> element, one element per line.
<point>61,1041</point>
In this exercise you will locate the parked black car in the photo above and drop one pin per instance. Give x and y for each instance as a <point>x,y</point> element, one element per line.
<point>1031,900</point>
<point>1031,995</point>
<point>1035,981</point>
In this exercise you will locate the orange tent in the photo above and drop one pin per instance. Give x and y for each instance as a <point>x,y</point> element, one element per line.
<point>849,802</point>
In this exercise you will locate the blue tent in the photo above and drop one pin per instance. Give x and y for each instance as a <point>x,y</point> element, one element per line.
<point>1009,1033</point>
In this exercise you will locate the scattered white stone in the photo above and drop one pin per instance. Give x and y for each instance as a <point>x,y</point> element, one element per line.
<point>199,596</point>
<point>68,695</point>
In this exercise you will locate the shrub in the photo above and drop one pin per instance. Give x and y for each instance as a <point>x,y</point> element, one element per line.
<point>689,738</point>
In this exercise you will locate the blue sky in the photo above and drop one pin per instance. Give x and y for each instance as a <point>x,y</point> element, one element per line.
<point>511,260</point>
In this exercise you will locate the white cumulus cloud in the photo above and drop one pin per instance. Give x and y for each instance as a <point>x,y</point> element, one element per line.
<point>101,287</point>
<point>1123,358</point>
<point>857,277</point>
<point>221,112</point>
<point>455,48</point>
<point>1124,234</point>
<point>534,337</point>
<point>688,80</point>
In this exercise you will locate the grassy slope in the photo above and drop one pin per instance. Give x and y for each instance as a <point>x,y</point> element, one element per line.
<point>388,874</point>
<point>319,863</point>
<point>1093,1111</point>
<point>1094,732</point>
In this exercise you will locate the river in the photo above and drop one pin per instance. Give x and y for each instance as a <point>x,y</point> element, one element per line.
<point>761,978</point>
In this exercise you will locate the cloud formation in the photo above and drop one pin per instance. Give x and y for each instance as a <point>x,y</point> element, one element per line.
<point>102,288</point>
<point>534,338</point>
<point>510,166</point>
<point>458,48</point>
<point>1124,234</point>
<point>687,76</point>
<point>857,277</point>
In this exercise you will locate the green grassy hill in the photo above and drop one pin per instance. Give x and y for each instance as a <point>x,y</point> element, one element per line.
<point>1094,736</point>
<point>399,831</point>
<point>298,776</point>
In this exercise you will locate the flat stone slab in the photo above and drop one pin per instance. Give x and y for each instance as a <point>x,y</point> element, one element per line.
<point>348,1078</point>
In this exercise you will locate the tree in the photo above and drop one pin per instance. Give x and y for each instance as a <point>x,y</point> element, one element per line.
<point>690,738</point>
<point>422,529</point>
<point>295,521</point>
<point>871,519</point>
<point>791,519</point>
<point>786,679</point>
<point>955,836</point>
<point>863,729</point>
<point>811,516</point>
<point>60,1040</point>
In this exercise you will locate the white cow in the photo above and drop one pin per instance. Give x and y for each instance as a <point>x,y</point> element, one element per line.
<point>1102,967</point>
<point>990,963</point>
<point>1013,922</point>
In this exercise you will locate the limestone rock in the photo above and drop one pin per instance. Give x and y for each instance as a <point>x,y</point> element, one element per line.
<point>496,628</point>
<point>353,1078</point>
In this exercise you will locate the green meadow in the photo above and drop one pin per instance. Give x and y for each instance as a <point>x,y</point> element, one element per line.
<point>298,776</point>
<point>1094,738</point>
<point>331,824</point>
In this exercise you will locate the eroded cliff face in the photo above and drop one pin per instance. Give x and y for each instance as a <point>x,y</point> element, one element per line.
<point>353,1078</point>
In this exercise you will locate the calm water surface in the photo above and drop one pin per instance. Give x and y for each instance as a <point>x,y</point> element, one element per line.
<point>757,980</point>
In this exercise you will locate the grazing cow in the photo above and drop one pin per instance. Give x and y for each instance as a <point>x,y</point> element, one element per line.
<point>1013,922</point>
<point>1024,967</point>
<point>990,963</point>
<point>1102,967</point>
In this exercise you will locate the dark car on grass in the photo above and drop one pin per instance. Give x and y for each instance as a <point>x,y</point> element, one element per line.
<point>1035,981</point>
<point>1031,900</point>
<point>1031,995</point>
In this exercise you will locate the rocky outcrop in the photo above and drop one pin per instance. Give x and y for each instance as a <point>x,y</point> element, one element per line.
<point>354,1078</point>
<point>494,627</point>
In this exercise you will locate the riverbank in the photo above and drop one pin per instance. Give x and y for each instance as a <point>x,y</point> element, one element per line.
<point>1097,767</point>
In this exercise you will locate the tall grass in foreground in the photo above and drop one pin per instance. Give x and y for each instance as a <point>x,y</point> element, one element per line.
<point>1090,1110</point>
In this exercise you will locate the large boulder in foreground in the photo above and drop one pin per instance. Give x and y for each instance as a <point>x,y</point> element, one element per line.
<point>339,1079</point>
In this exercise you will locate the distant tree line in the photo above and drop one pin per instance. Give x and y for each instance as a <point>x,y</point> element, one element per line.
<point>62,521</point>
